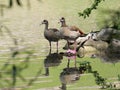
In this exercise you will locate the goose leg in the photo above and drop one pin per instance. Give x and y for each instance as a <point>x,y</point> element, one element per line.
<point>68,43</point>
<point>68,59</point>
<point>18,2</point>
<point>47,71</point>
<point>75,43</point>
<point>50,46</point>
<point>68,63</point>
<point>75,62</point>
<point>57,47</point>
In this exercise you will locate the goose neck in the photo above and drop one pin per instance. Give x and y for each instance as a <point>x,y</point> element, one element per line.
<point>63,24</point>
<point>46,26</point>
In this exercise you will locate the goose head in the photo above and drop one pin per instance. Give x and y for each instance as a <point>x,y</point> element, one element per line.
<point>62,20</point>
<point>44,22</point>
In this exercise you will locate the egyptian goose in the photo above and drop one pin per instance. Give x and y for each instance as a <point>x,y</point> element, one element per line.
<point>70,33</point>
<point>51,34</point>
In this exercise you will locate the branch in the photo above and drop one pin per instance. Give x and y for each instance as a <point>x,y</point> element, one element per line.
<point>88,11</point>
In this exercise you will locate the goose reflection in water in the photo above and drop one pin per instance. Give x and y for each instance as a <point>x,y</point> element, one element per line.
<point>52,60</point>
<point>69,75</point>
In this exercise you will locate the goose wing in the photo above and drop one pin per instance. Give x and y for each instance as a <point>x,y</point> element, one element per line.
<point>74,28</point>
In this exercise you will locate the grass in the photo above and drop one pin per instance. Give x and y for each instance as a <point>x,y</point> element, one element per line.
<point>31,35</point>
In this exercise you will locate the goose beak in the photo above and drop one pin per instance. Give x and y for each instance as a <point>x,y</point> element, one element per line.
<point>59,21</point>
<point>41,24</point>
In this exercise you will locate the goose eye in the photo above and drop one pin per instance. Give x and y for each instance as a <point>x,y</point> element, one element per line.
<point>44,20</point>
<point>62,18</point>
